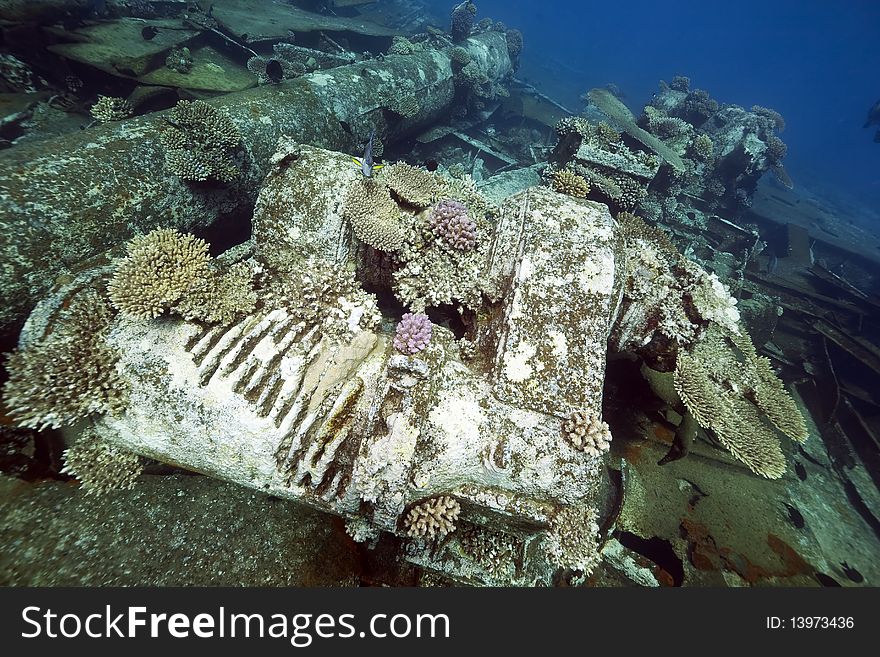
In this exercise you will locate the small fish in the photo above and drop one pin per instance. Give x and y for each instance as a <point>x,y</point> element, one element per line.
<point>149,32</point>
<point>852,573</point>
<point>274,71</point>
<point>801,471</point>
<point>366,164</point>
<point>797,519</point>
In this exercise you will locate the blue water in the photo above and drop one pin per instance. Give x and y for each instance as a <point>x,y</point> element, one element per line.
<point>817,62</point>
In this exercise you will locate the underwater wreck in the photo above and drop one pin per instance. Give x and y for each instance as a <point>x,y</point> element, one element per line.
<point>437,356</point>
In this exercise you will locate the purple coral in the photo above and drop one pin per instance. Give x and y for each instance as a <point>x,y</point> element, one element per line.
<point>450,221</point>
<point>413,333</point>
<point>462,21</point>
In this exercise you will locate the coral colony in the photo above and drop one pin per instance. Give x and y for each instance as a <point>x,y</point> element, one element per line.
<point>478,440</point>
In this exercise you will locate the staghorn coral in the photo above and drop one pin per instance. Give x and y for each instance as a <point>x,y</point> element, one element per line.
<point>102,467</point>
<point>462,21</point>
<point>69,373</point>
<point>157,272</point>
<point>109,109</point>
<point>411,185</point>
<point>200,142</point>
<point>736,394</point>
<point>587,433</point>
<point>373,215</point>
<point>566,182</point>
<point>450,221</point>
<point>413,333</point>
<point>433,518</point>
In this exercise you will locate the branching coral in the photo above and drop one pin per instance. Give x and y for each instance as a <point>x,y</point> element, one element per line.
<point>680,83</point>
<point>400,45</point>
<point>167,271</point>
<point>179,60</point>
<point>433,518</point>
<point>413,333</point>
<point>200,143</point>
<point>405,106</point>
<point>587,433</point>
<point>316,292</point>
<point>702,147</point>
<point>69,373</point>
<point>111,109</point>
<point>101,466</point>
<point>776,149</point>
<point>157,272</point>
<point>665,295</point>
<point>451,222</point>
<point>373,215</point>
<point>736,394</point>
<point>774,117</point>
<point>566,182</point>
<point>462,21</point>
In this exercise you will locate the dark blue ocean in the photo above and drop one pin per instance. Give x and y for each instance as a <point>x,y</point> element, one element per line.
<point>816,62</point>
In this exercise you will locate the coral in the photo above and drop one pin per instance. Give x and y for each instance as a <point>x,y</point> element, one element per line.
<point>615,110</point>
<point>450,221</point>
<point>402,46</point>
<point>460,56</point>
<point>111,109</point>
<point>405,106</point>
<point>157,272</point>
<point>413,333</point>
<point>736,394</point>
<point>219,298</point>
<point>606,134</point>
<point>200,141</point>
<point>587,433</point>
<point>16,76</point>
<point>514,44</point>
<point>179,60</point>
<point>630,192</point>
<point>702,147</point>
<point>462,21</point>
<point>316,292</point>
<point>680,83</point>
<point>776,148</point>
<point>566,182</point>
<point>700,106</point>
<point>69,373</point>
<point>572,540</point>
<point>101,466</point>
<point>774,117</point>
<point>573,125</point>
<point>433,518</point>
<point>411,185</point>
<point>665,126</point>
<point>373,214</point>
<point>711,298</point>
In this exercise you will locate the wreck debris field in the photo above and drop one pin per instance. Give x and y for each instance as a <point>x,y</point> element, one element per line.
<point>419,293</point>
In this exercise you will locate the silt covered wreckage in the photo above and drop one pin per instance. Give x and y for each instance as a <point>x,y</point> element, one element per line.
<point>418,354</point>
